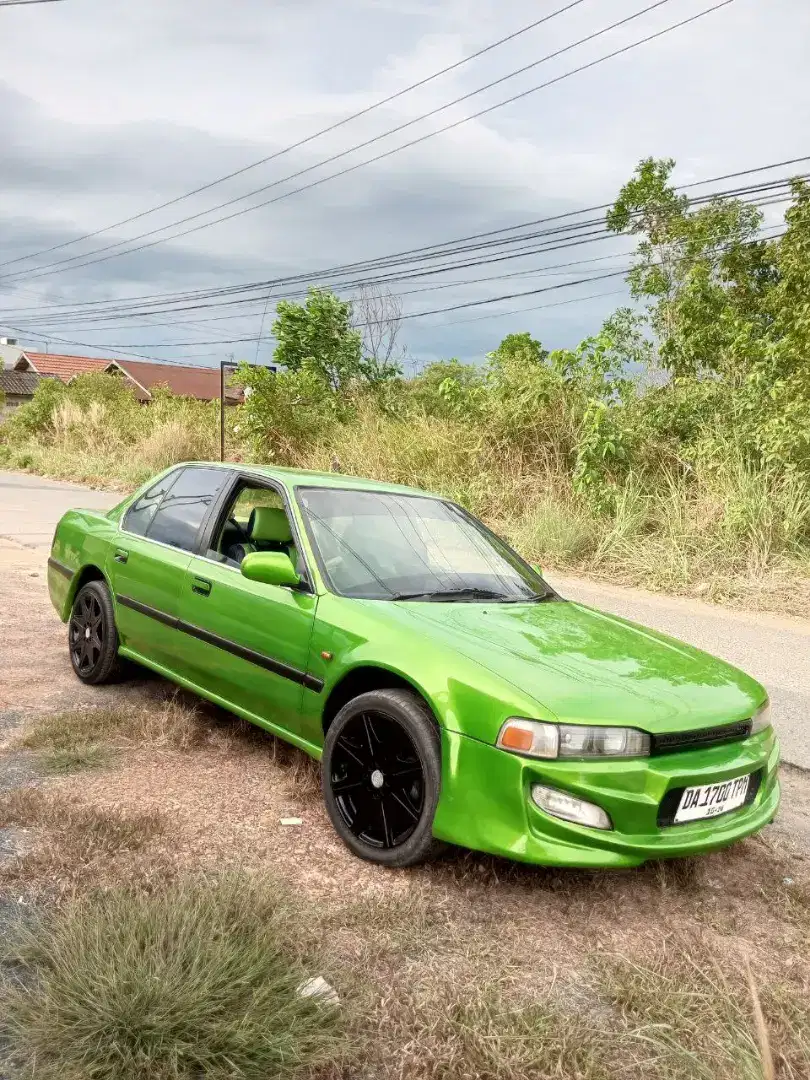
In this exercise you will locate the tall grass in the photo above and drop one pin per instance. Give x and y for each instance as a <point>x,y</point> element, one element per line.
<point>720,522</point>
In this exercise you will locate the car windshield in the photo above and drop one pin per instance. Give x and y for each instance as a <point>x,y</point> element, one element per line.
<point>387,546</point>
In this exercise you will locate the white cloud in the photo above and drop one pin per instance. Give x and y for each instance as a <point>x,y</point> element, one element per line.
<point>110,107</point>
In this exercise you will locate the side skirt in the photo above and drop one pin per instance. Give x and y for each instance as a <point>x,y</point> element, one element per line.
<point>308,747</point>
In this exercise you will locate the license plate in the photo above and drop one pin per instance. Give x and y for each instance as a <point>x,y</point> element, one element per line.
<point>711,800</point>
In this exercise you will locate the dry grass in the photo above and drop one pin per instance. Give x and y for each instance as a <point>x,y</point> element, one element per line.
<point>90,736</point>
<point>197,980</point>
<point>73,842</point>
<point>472,967</point>
<point>705,1019</point>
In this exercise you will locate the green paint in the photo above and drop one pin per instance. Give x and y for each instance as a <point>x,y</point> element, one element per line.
<point>255,648</point>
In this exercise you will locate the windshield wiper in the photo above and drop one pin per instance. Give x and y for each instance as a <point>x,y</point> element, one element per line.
<point>532,598</point>
<point>450,594</point>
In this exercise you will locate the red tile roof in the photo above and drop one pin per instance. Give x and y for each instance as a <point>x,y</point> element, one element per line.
<point>63,367</point>
<point>198,382</point>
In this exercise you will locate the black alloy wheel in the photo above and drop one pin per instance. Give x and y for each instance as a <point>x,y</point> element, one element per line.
<point>381,777</point>
<point>92,635</point>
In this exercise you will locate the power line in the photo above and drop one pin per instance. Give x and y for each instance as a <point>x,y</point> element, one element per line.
<point>23,3</point>
<point>55,267</point>
<point>126,350</point>
<point>571,235</point>
<point>431,250</point>
<point>301,142</point>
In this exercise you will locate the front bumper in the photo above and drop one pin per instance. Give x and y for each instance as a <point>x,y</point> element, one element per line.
<point>486,803</point>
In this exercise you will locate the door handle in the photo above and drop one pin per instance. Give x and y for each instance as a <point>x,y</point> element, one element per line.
<point>121,555</point>
<point>201,586</point>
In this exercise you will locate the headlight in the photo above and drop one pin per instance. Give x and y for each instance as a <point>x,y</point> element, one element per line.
<point>761,718</point>
<point>541,740</point>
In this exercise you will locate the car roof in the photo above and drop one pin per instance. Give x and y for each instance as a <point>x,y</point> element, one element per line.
<point>295,478</point>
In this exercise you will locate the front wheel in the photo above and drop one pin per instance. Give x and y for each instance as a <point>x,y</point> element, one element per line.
<point>92,635</point>
<point>381,777</point>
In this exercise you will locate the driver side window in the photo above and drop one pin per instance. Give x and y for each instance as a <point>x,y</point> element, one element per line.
<point>254,520</point>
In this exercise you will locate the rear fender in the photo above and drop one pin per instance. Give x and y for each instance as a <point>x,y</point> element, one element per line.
<point>79,552</point>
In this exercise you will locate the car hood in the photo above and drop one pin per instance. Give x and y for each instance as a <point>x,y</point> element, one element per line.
<point>589,667</point>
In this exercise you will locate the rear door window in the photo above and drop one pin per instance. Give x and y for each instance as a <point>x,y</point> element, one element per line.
<point>178,519</point>
<point>139,516</point>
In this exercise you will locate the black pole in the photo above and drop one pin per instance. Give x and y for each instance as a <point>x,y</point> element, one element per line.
<point>222,364</point>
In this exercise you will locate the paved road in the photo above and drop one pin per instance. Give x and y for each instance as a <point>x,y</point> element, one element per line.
<point>30,506</point>
<point>775,650</point>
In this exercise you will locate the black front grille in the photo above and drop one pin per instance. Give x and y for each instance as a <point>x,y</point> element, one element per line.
<point>678,741</point>
<point>672,800</point>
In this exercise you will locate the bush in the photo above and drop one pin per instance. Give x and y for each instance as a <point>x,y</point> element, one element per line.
<point>200,980</point>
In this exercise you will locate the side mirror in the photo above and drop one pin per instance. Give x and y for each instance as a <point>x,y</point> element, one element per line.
<point>270,567</point>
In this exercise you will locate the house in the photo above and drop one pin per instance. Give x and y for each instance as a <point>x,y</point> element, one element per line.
<point>201,383</point>
<point>16,387</point>
<point>144,376</point>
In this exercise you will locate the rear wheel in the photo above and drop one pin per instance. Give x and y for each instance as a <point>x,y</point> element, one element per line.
<point>92,635</point>
<point>381,777</point>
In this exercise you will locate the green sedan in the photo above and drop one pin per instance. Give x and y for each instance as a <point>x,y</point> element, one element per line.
<point>450,694</point>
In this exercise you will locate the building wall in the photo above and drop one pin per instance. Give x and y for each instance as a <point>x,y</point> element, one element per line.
<point>12,402</point>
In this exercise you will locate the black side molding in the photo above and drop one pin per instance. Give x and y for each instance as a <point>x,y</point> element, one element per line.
<point>60,568</point>
<point>145,609</point>
<point>232,647</point>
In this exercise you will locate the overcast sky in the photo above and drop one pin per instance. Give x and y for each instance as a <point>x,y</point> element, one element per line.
<point>108,107</point>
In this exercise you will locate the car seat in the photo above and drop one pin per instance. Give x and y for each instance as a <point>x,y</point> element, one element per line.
<point>268,529</point>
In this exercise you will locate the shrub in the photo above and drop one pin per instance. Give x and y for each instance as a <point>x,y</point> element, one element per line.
<point>199,980</point>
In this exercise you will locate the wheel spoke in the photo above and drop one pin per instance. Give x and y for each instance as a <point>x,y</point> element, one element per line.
<point>405,804</point>
<point>388,838</point>
<point>369,737</point>
<point>340,787</point>
<point>362,818</point>
<point>404,773</point>
<point>347,749</point>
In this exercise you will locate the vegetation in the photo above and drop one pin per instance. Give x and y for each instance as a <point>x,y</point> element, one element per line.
<point>671,448</point>
<point>198,980</point>
<point>202,977</point>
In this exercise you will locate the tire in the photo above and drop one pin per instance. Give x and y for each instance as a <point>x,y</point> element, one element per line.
<point>381,777</point>
<point>92,635</point>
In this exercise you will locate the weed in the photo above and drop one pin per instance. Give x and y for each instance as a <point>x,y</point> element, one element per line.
<point>83,756</point>
<point>198,980</point>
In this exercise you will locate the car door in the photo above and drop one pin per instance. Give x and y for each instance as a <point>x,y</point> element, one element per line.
<point>252,641</point>
<point>150,556</point>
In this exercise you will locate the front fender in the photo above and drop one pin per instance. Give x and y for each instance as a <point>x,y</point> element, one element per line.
<point>465,696</point>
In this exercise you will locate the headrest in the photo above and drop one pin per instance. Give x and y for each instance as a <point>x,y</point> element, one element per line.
<point>269,523</point>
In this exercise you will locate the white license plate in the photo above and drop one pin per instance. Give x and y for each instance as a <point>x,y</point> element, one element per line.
<point>710,800</point>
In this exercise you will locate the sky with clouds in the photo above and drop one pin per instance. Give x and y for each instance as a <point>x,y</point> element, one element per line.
<point>109,107</point>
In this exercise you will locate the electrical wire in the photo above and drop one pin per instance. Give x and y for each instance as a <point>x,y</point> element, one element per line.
<point>571,235</point>
<point>425,250</point>
<point>56,267</point>
<point>301,142</point>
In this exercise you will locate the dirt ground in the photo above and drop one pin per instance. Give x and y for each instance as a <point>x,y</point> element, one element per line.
<point>222,804</point>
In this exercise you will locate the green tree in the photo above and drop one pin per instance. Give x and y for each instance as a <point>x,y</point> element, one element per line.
<point>519,348</point>
<point>318,335</point>
<point>702,271</point>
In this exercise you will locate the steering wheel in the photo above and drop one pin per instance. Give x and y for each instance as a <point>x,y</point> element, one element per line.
<point>240,528</point>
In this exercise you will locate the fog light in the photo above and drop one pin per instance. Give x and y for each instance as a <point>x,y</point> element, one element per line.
<point>569,808</point>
